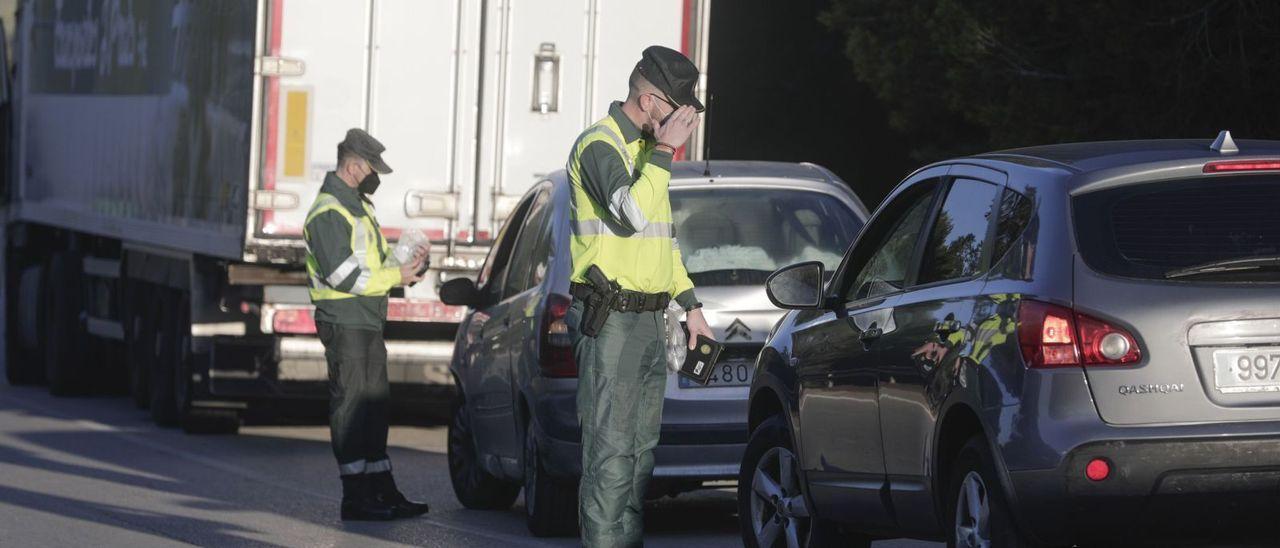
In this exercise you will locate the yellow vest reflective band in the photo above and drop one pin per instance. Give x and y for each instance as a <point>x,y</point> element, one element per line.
<point>368,247</point>
<point>646,260</point>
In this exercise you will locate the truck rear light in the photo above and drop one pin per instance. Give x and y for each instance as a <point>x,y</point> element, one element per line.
<point>1056,336</point>
<point>556,351</point>
<point>1242,165</point>
<point>298,321</point>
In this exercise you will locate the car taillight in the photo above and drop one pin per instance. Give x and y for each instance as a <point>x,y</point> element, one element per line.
<point>1056,336</point>
<point>556,352</point>
<point>1242,165</point>
<point>1046,334</point>
<point>293,320</point>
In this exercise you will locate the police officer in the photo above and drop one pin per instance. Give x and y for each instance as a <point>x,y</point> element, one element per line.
<point>621,224</point>
<point>350,277</point>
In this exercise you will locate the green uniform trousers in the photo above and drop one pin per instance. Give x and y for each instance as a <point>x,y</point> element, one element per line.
<point>621,375</point>
<point>358,397</point>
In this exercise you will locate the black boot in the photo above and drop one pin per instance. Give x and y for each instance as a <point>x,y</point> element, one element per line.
<point>384,490</point>
<point>359,502</point>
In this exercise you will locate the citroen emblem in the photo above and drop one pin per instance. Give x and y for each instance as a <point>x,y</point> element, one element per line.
<point>737,329</point>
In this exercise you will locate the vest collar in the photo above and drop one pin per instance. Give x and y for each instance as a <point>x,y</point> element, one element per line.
<point>629,130</point>
<point>350,198</point>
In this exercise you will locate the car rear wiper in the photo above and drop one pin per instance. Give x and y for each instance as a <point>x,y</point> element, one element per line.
<point>1228,265</point>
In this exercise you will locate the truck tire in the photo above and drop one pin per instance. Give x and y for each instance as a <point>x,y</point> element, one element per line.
<point>550,503</point>
<point>143,323</point>
<point>164,408</point>
<point>475,488</point>
<point>193,420</point>
<point>23,364</point>
<point>65,333</point>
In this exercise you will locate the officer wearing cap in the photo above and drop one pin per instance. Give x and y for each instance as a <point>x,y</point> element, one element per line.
<point>349,278</point>
<point>620,222</point>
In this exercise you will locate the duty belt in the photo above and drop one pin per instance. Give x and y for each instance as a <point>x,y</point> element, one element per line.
<point>628,301</point>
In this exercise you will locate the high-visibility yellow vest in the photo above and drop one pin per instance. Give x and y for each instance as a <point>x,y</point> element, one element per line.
<point>645,261</point>
<point>368,249</point>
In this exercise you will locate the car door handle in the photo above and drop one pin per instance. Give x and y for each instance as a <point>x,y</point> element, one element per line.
<point>946,327</point>
<point>871,335</point>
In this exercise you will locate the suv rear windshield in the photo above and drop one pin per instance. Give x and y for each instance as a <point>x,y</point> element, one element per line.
<point>738,236</point>
<point>1223,228</point>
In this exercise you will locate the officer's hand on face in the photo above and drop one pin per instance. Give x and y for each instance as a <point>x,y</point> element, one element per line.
<point>678,127</point>
<point>697,325</point>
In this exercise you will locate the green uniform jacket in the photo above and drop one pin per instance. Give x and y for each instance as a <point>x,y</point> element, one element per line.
<point>329,240</point>
<point>604,174</point>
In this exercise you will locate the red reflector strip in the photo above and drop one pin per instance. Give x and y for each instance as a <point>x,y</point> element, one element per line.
<point>423,311</point>
<point>1242,165</point>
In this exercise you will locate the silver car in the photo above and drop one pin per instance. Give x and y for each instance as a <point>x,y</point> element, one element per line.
<point>515,422</point>
<point>1058,345</point>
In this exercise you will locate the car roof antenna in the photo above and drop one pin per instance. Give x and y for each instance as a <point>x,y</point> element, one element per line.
<point>706,138</point>
<point>1224,144</point>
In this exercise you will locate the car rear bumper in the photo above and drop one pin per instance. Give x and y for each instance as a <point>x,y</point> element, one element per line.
<point>702,462</point>
<point>1201,489</point>
<point>702,452</point>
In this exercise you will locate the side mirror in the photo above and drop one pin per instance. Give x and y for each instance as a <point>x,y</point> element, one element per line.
<point>796,287</point>
<point>460,292</point>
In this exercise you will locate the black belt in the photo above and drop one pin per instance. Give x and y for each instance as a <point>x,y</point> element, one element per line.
<point>627,301</point>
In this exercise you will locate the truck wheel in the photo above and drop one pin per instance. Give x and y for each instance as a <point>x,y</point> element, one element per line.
<point>143,324</point>
<point>193,420</point>
<point>23,364</point>
<point>164,408</point>
<point>66,336</point>
<point>977,513</point>
<point>550,503</point>
<point>475,488</point>
<point>772,508</point>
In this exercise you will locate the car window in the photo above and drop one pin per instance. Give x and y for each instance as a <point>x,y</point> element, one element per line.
<point>1013,216</point>
<point>1217,228</point>
<point>740,235</point>
<point>527,247</point>
<point>495,265</point>
<point>959,233</point>
<point>892,238</point>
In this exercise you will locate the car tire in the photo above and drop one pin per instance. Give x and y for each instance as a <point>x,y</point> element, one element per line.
<point>65,333</point>
<point>475,487</point>
<point>550,503</point>
<point>973,492</point>
<point>771,496</point>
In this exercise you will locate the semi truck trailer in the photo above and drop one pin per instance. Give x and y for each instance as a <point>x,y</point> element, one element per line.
<point>165,154</point>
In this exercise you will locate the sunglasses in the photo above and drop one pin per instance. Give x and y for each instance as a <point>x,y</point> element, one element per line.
<point>669,102</point>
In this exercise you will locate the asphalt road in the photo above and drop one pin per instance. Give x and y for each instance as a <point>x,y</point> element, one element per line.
<point>96,472</point>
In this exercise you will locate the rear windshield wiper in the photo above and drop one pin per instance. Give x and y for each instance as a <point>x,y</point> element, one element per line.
<point>1228,265</point>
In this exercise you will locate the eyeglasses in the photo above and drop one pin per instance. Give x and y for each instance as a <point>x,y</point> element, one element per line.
<point>669,102</point>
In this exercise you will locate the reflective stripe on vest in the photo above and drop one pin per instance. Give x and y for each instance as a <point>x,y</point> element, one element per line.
<point>639,260</point>
<point>363,255</point>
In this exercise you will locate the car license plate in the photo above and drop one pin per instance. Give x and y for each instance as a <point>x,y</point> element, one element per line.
<point>1247,370</point>
<point>726,373</point>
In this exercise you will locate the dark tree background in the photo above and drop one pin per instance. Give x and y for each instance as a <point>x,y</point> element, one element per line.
<point>874,88</point>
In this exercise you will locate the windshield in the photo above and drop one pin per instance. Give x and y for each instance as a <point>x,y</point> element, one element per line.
<point>738,236</point>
